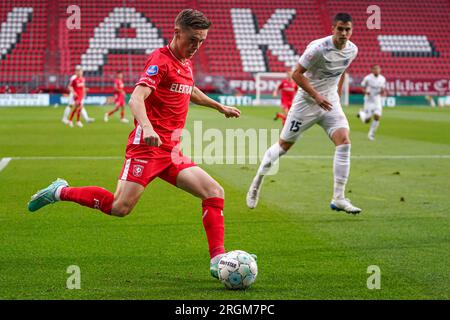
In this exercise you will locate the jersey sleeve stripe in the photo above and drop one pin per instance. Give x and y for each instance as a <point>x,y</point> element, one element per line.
<point>145,82</point>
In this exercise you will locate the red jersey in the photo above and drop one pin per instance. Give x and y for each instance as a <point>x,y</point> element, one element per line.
<point>167,106</point>
<point>288,89</point>
<point>77,83</point>
<point>118,87</point>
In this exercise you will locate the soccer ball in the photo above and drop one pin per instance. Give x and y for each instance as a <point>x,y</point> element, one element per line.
<point>237,270</point>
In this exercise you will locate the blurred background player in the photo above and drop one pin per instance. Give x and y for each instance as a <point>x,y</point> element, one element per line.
<point>159,104</point>
<point>71,106</point>
<point>288,89</point>
<point>119,99</point>
<point>374,85</point>
<point>319,74</point>
<point>77,88</point>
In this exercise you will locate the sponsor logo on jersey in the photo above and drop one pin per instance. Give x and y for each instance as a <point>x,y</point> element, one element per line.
<point>152,70</point>
<point>181,88</point>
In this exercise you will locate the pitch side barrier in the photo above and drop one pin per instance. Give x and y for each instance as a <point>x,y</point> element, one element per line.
<point>45,100</point>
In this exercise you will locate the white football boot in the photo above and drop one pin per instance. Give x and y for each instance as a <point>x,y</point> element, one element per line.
<point>254,191</point>
<point>361,115</point>
<point>344,205</point>
<point>80,124</point>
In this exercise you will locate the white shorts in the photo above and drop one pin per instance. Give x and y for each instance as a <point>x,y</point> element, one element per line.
<point>373,108</point>
<point>303,114</point>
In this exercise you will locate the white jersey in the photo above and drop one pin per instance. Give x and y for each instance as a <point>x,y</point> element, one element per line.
<point>373,85</point>
<point>325,64</point>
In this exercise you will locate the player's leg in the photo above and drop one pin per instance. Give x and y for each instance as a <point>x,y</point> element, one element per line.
<point>78,113</point>
<point>119,204</point>
<point>281,114</point>
<point>122,114</point>
<point>375,123</point>
<point>65,118</point>
<point>85,115</point>
<point>68,109</point>
<point>365,114</point>
<point>73,113</point>
<point>336,125</point>
<point>110,113</point>
<point>199,183</point>
<point>300,117</point>
<point>129,189</point>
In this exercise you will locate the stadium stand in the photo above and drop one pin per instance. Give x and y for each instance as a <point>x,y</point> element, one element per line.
<point>39,50</point>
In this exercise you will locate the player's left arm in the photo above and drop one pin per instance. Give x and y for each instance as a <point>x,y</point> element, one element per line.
<point>384,92</point>
<point>341,84</point>
<point>198,97</point>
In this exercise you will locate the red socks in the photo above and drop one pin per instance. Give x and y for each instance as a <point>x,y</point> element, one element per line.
<point>122,112</point>
<point>213,222</point>
<point>76,112</point>
<point>92,197</point>
<point>282,117</point>
<point>113,111</point>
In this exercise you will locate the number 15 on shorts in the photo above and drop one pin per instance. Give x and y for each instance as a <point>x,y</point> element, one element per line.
<point>295,126</point>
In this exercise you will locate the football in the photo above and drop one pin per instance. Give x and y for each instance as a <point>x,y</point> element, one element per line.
<point>237,270</point>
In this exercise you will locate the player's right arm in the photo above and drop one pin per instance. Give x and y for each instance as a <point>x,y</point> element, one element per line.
<point>275,92</point>
<point>137,107</point>
<point>303,83</point>
<point>364,84</point>
<point>71,90</point>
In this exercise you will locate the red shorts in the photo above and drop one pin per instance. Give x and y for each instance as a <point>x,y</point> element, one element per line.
<point>119,100</point>
<point>286,106</point>
<point>160,163</point>
<point>78,102</point>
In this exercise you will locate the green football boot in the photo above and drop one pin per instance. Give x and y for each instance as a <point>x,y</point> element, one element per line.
<point>46,196</point>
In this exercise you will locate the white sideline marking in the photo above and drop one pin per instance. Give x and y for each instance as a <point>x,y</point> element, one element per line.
<point>318,157</point>
<point>4,162</point>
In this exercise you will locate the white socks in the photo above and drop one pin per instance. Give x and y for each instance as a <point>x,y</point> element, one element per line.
<point>270,157</point>
<point>362,116</point>
<point>373,127</point>
<point>66,113</point>
<point>58,193</point>
<point>84,114</point>
<point>341,169</point>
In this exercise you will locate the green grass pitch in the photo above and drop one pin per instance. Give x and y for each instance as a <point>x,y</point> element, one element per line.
<point>305,250</point>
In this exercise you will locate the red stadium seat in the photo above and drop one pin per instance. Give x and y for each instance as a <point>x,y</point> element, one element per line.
<point>47,47</point>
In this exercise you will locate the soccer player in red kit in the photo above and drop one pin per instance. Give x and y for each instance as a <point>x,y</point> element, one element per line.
<point>77,89</point>
<point>159,104</point>
<point>119,99</point>
<point>288,89</point>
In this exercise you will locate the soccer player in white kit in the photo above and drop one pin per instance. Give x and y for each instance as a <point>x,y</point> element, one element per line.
<point>374,85</point>
<point>318,74</point>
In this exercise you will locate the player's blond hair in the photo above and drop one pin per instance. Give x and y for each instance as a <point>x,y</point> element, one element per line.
<point>190,18</point>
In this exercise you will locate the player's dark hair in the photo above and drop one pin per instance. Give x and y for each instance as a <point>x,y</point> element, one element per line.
<point>190,18</point>
<point>120,71</point>
<point>344,17</point>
